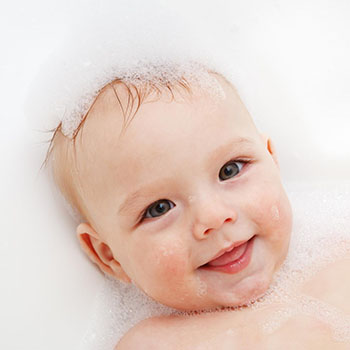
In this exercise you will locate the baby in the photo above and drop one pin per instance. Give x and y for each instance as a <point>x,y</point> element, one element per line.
<point>180,194</point>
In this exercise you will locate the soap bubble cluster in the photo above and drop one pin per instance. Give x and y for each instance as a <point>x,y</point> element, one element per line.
<point>126,40</point>
<point>118,307</point>
<point>321,236</point>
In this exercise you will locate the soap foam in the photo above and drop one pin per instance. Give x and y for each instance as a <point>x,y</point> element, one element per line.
<point>118,307</point>
<point>275,213</point>
<point>129,41</point>
<point>320,235</point>
<point>202,288</point>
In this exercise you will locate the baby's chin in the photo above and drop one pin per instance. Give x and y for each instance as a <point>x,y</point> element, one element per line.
<point>248,291</point>
<point>247,296</point>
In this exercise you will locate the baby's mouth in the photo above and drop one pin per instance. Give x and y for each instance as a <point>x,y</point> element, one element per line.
<point>229,255</point>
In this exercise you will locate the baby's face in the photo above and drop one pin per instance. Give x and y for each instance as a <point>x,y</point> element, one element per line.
<point>187,181</point>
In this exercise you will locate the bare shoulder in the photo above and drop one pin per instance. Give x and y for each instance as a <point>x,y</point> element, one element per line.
<point>152,333</point>
<point>184,332</point>
<point>332,284</point>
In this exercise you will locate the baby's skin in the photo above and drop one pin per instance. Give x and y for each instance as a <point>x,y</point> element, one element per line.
<point>244,328</point>
<point>187,203</point>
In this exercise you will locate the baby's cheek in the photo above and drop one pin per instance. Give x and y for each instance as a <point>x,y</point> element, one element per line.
<point>263,206</point>
<point>281,211</point>
<point>158,265</point>
<point>170,260</point>
<point>271,208</point>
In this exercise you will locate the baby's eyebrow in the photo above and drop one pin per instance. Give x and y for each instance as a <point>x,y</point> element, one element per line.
<point>229,146</point>
<point>143,192</point>
<point>150,189</point>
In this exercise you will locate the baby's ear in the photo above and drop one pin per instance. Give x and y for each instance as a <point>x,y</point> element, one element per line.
<point>270,147</point>
<point>99,252</point>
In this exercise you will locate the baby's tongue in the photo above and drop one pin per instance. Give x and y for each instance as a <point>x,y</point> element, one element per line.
<point>227,257</point>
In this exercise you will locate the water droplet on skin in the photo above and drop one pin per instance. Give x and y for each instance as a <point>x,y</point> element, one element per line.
<point>165,251</point>
<point>230,332</point>
<point>162,252</point>
<point>202,288</point>
<point>191,199</point>
<point>275,213</point>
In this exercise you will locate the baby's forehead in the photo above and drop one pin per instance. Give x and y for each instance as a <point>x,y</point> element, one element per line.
<point>114,124</point>
<point>164,120</point>
<point>117,104</point>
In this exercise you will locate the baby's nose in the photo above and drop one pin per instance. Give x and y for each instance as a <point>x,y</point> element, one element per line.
<point>211,214</point>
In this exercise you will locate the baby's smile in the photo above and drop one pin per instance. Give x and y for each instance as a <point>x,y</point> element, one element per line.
<point>184,202</point>
<point>233,259</point>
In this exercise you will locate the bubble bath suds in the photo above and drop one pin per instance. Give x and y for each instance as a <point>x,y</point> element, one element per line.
<point>105,44</point>
<point>321,235</point>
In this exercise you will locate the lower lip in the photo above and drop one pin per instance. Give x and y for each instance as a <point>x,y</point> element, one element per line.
<point>237,265</point>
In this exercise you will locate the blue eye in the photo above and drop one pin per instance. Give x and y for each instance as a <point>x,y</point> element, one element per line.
<point>158,208</point>
<point>231,169</point>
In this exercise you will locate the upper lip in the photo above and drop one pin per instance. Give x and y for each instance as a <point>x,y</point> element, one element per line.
<point>227,249</point>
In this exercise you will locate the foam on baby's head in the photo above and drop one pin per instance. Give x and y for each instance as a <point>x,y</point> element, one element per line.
<point>153,75</point>
<point>118,40</point>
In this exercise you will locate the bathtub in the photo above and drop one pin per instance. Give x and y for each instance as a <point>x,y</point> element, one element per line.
<point>296,84</point>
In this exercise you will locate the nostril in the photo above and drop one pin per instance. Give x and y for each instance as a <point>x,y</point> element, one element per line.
<point>207,231</point>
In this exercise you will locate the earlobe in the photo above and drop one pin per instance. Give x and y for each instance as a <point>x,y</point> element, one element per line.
<point>99,252</point>
<point>270,147</point>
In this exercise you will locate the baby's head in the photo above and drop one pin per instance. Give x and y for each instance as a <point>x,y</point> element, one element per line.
<point>167,193</point>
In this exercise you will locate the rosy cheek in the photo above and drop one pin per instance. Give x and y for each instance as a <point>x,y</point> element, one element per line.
<point>170,259</point>
<point>279,218</point>
<point>271,209</point>
<point>264,207</point>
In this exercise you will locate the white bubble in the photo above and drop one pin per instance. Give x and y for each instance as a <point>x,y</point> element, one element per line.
<point>191,199</point>
<point>275,213</point>
<point>202,288</point>
<point>231,331</point>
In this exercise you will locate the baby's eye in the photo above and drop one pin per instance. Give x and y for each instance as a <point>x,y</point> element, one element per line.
<point>158,208</point>
<point>230,169</point>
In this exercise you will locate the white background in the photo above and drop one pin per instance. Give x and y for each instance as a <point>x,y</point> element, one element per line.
<point>297,60</point>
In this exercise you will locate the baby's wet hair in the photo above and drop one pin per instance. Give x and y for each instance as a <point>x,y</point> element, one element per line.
<point>136,95</point>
